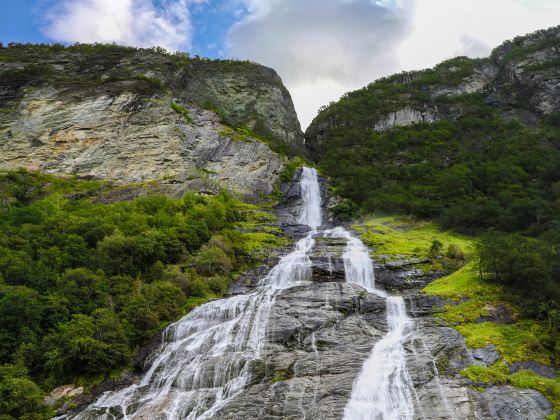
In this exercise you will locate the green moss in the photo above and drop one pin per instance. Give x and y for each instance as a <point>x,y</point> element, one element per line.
<point>464,283</point>
<point>287,174</point>
<point>442,364</point>
<point>516,342</point>
<point>253,241</point>
<point>498,373</point>
<point>238,134</point>
<point>394,236</point>
<point>181,110</point>
<point>259,231</point>
<point>281,375</point>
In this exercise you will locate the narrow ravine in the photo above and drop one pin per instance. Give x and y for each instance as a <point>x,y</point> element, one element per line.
<point>207,358</point>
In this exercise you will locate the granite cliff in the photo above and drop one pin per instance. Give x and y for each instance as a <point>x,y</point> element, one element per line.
<point>133,115</point>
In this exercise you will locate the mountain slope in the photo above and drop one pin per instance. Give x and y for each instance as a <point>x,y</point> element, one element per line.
<point>520,81</point>
<point>475,143</point>
<point>135,115</point>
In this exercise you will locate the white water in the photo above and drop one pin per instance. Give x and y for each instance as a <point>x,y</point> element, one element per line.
<point>205,358</point>
<point>383,388</point>
<point>311,195</point>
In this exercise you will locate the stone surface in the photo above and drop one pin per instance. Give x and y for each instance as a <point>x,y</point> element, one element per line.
<point>508,403</point>
<point>115,120</point>
<point>406,116</point>
<point>540,369</point>
<point>317,340</point>
<point>98,138</point>
<point>64,391</point>
<point>486,356</point>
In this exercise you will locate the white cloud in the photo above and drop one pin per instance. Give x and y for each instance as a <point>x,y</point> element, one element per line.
<point>321,48</point>
<point>447,28</point>
<point>130,22</point>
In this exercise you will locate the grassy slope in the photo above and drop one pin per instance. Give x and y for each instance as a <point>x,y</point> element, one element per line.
<point>472,298</point>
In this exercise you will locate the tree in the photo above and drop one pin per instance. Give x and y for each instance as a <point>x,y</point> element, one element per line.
<point>20,398</point>
<point>20,314</point>
<point>86,345</point>
<point>435,248</point>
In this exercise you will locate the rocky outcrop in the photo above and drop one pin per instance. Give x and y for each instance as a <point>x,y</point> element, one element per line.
<point>404,117</point>
<point>320,333</point>
<point>289,207</point>
<point>135,116</point>
<point>318,337</point>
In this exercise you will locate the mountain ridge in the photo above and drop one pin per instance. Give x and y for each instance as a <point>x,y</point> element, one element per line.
<point>525,65</point>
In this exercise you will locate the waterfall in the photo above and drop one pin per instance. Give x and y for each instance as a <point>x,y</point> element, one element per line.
<point>311,197</point>
<point>205,358</point>
<point>383,388</point>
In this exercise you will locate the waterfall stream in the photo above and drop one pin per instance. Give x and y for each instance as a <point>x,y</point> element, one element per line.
<point>206,358</point>
<point>383,389</point>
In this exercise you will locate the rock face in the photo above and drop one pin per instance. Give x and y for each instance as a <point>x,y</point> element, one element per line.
<point>319,334</point>
<point>318,337</point>
<point>137,115</point>
<point>405,116</point>
<point>520,80</point>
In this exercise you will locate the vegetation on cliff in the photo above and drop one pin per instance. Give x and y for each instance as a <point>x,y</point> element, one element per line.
<point>478,150</point>
<point>483,311</point>
<point>85,282</point>
<point>244,94</point>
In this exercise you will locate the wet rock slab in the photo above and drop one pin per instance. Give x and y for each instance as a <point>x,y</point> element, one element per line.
<point>318,337</point>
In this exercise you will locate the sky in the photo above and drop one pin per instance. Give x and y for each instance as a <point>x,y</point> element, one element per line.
<point>320,48</point>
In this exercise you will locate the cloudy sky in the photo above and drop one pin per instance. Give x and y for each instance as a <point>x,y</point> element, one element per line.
<point>320,48</point>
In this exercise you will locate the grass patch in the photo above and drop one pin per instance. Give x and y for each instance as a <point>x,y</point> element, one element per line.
<point>181,110</point>
<point>290,169</point>
<point>281,375</point>
<point>524,379</point>
<point>523,340</point>
<point>464,283</point>
<point>253,241</point>
<point>395,237</point>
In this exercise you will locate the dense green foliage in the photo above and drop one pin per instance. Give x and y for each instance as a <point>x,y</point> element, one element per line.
<point>83,284</point>
<point>529,269</point>
<point>475,173</point>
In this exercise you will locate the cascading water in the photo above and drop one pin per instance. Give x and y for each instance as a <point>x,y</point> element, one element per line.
<point>383,389</point>
<point>206,357</point>
<point>311,197</point>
